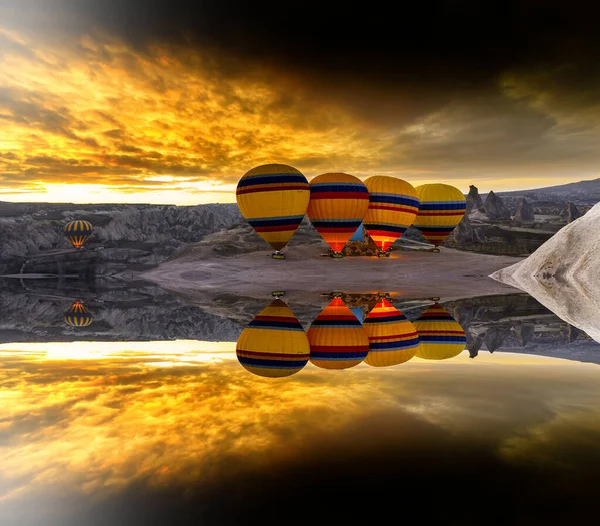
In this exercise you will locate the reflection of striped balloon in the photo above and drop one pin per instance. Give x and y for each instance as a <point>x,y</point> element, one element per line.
<point>441,335</point>
<point>442,208</point>
<point>393,205</point>
<point>392,338</point>
<point>273,198</point>
<point>338,204</point>
<point>77,232</point>
<point>337,339</point>
<point>78,315</point>
<point>274,343</point>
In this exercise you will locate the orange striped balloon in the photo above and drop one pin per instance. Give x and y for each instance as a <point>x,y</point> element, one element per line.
<point>392,338</point>
<point>337,339</point>
<point>441,335</point>
<point>78,315</point>
<point>338,204</point>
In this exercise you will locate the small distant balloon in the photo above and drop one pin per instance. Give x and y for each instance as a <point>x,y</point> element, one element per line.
<point>393,206</point>
<point>273,198</point>
<point>274,343</point>
<point>77,232</point>
<point>78,315</point>
<point>338,204</point>
<point>441,209</point>
<point>392,338</point>
<point>440,334</point>
<point>337,339</point>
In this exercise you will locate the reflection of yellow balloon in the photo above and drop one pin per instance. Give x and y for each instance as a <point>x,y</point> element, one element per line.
<point>441,335</point>
<point>393,205</point>
<point>441,208</point>
<point>77,232</point>
<point>338,204</point>
<point>392,338</point>
<point>273,198</point>
<point>78,315</point>
<point>337,339</point>
<point>274,343</point>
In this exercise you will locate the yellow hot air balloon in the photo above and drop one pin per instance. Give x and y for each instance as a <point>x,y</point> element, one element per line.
<point>338,204</point>
<point>77,232</point>
<point>392,338</point>
<point>337,339</point>
<point>273,198</point>
<point>393,206</point>
<point>274,343</point>
<point>440,334</point>
<point>78,315</point>
<point>441,208</point>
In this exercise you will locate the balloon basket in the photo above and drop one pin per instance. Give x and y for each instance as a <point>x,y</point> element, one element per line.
<point>435,250</point>
<point>337,255</point>
<point>277,255</point>
<point>278,294</point>
<point>384,254</point>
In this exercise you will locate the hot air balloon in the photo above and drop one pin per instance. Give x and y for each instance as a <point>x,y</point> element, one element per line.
<point>441,335</point>
<point>77,232</point>
<point>273,198</point>
<point>338,204</point>
<point>393,206</point>
<point>337,339</point>
<point>274,343</point>
<point>392,338</point>
<point>78,315</point>
<point>441,208</point>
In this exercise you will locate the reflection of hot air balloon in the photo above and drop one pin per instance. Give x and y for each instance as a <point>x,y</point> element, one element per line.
<point>273,198</point>
<point>274,343</point>
<point>338,204</point>
<point>77,232</point>
<point>441,335</point>
<point>392,338</point>
<point>78,315</point>
<point>442,207</point>
<point>337,339</point>
<point>393,205</point>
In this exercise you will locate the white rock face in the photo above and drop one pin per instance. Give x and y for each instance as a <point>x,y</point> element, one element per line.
<point>564,273</point>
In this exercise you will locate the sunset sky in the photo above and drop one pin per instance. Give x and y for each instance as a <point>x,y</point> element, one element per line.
<point>146,101</point>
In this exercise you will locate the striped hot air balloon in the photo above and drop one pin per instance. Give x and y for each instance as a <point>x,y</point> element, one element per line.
<point>441,335</point>
<point>77,232</point>
<point>78,315</point>
<point>274,343</point>
<point>441,209</point>
<point>338,204</point>
<point>337,339</point>
<point>392,338</point>
<point>273,198</point>
<point>393,206</point>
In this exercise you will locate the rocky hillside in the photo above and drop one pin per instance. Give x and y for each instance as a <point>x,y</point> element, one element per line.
<point>125,236</point>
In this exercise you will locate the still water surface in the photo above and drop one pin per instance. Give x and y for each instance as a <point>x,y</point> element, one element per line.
<point>178,432</point>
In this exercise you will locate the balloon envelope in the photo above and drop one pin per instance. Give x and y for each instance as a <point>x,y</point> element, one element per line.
<point>393,205</point>
<point>441,335</point>
<point>392,338</point>
<point>441,208</point>
<point>77,232</point>
<point>337,339</point>
<point>78,315</point>
<point>338,204</point>
<point>273,198</point>
<point>274,343</point>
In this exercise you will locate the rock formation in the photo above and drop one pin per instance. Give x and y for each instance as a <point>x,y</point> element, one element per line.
<point>474,201</point>
<point>525,212</point>
<point>494,338</point>
<point>465,233</point>
<point>524,332</point>
<point>572,212</point>
<point>564,275</point>
<point>494,207</point>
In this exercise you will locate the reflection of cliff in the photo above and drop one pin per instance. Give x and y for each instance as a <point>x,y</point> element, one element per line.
<point>132,236</point>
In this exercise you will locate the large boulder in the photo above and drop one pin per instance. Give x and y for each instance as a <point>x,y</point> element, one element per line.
<point>564,275</point>
<point>524,212</point>
<point>495,208</point>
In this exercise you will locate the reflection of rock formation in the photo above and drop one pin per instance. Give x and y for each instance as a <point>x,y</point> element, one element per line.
<point>494,207</point>
<point>564,275</point>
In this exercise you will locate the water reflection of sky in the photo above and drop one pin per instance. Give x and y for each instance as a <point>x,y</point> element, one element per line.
<point>114,432</point>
